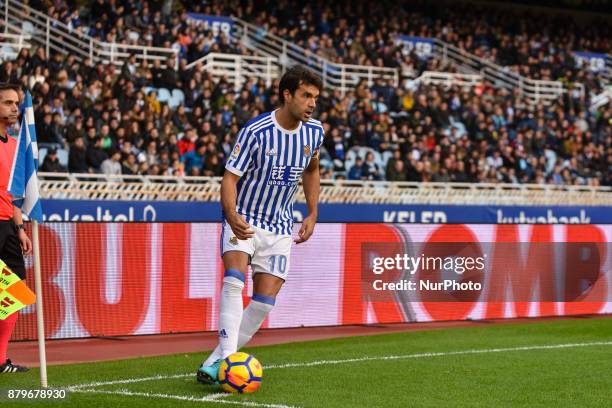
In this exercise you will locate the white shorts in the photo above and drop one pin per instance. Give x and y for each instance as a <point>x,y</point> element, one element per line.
<point>268,252</point>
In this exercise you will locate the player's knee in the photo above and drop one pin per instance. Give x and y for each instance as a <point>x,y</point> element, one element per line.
<point>233,279</point>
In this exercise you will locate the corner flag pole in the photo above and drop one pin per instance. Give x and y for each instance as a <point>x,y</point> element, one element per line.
<point>39,306</point>
<point>23,186</point>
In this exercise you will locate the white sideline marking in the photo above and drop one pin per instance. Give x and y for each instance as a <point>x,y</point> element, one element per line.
<point>357,360</point>
<point>440,354</point>
<point>214,398</point>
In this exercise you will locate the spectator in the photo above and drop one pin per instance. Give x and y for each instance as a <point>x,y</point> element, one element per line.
<point>51,163</point>
<point>441,132</point>
<point>195,159</point>
<point>95,156</point>
<point>129,166</point>
<point>77,162</point>
<point>112,165</point>
<point>397,171</point>
<point>188,142</point>
<point>356,171</point>
<point>370,169</point>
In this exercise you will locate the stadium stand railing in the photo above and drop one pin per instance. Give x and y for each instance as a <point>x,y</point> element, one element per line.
<point>601,99</point>
<point>57,36</point>
<point>12,43</point>
<point>342,76</point>
<point>449,79</point>
<point>170,188</point>
<point>239,68</point>
<point>335,76</point>
<point>534,91</point>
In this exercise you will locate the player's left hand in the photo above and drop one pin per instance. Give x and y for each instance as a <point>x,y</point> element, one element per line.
<point>307,229</point>
<point>26,244</point>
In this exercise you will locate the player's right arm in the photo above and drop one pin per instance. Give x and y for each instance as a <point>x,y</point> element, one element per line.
<point>229,194</point>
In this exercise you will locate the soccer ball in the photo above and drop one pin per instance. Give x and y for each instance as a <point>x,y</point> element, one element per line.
<point>240,373</point>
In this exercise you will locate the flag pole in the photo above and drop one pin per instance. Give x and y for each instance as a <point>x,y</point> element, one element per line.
<point>39,306</point>
<point>23,186</point>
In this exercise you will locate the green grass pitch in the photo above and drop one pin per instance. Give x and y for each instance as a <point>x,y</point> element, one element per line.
<point>561,363</point>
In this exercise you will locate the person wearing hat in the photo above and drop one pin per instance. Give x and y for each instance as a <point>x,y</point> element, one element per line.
<point>51,163</point>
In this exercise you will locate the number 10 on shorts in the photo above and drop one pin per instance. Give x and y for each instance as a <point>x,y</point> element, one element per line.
<point>278,264</point>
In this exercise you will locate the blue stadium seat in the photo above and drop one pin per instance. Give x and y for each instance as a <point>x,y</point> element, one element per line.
<point>7,53</point>
<point>163,95</point>
<point>385,158</point>
<point>177,99</point>
<point>351,155</point>
<point>177,93</point>
<point>461,130</point>
<point>42,152</point>
<point>62,156</point>
<point>28,28</point>
<point>133,35</point>
<point>48,146</point>
<point>362,151</point>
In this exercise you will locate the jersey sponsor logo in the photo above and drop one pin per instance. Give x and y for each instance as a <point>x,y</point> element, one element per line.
<point>282,175</point>
<point>236,151</point>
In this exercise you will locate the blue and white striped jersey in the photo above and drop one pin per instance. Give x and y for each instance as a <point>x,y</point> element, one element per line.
<point>270,161</point>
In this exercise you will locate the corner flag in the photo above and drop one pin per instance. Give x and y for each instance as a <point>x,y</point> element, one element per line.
<point>23,181</point>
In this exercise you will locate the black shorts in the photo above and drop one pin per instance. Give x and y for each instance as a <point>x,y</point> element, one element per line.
<point>10,248</point>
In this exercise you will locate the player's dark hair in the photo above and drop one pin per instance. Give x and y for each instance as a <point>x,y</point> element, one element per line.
<point>294,77</point>
<point>6,86</point>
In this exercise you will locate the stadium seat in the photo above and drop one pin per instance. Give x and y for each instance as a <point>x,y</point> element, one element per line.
<point>551,159</point>
<point>163,95</point>
<point>385,158</point>
<point>28,28</point>
<point>459,126</point>
<point>7,53</point>
<point>351,156</point>
<point>177,99</point>
<point>133,35</point>
<point>362,151</point>
<point>44,145</point>
<point>62,156</point>
<point>42,152</point>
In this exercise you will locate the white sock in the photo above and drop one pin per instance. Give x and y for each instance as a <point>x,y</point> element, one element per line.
<point>230,311</point>
<point>252,319</point>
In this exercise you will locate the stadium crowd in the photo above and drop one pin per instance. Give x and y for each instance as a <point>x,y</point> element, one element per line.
<point>103,117</point>
<point>535,44</point>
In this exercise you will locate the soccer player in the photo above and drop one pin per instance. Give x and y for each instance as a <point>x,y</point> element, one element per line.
<point>13,240</point>
<point>272,153</point>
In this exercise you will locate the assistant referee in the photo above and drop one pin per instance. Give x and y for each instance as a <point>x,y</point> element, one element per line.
<point>14,242</point>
